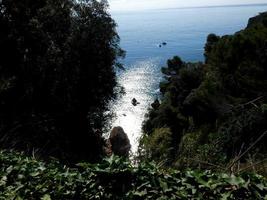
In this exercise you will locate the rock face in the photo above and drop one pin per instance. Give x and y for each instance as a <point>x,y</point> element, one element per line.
<point>119,141</point>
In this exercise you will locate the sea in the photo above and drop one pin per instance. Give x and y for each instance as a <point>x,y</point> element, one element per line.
<point>142,34</point>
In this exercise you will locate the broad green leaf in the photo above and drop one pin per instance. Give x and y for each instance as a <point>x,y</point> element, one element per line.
<point>46,197</point>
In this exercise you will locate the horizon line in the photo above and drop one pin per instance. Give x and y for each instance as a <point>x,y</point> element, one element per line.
<point>197,7</point>
<point>217,6</point>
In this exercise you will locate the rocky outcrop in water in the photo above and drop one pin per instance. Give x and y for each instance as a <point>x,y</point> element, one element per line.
<point>119,142</point>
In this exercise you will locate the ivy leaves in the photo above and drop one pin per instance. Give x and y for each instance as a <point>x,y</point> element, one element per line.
<point>22,177</point>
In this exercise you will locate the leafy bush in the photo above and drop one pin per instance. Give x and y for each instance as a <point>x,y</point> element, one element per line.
<point>158,145</point>
<point>200,151</point>
<point>115,178</point>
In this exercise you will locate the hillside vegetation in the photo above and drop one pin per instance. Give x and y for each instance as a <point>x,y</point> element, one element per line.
<point>214,114</point>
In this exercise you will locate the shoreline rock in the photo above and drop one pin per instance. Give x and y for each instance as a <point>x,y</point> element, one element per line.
<point>118,142</point>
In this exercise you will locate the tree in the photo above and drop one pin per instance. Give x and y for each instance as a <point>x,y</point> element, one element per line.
<point>57,75</point>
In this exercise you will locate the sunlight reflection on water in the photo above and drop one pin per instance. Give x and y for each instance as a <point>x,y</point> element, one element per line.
<point>140,81</point>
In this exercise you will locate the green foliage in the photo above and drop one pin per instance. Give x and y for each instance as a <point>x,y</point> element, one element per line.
<point>197,150</point>
<point>217,110</point>
<point>57,73</point>
<point>158,145</point>
<point>258,19</point>
<point>212,39</point>
<point>115,178</point>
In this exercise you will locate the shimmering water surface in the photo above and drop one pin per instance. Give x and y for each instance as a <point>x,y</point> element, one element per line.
<point>184,31</point>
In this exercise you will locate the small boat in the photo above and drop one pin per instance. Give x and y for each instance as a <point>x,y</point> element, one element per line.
<point>135,102</point>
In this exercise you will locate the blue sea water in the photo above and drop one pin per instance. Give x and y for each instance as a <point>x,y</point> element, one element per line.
<point>185,31</point>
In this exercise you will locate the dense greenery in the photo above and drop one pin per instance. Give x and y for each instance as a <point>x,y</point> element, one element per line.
<point>57,60</point>
<point>115,178</point>
<point>213,114</point>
